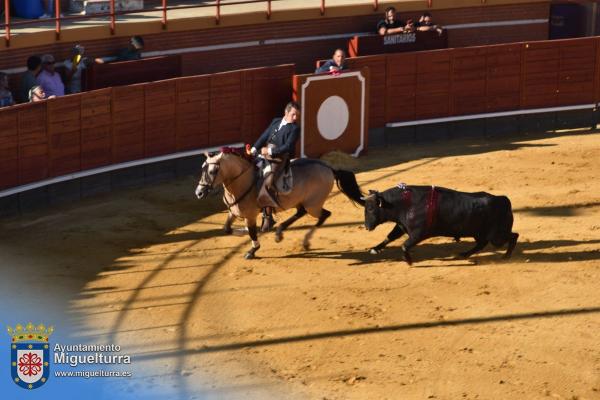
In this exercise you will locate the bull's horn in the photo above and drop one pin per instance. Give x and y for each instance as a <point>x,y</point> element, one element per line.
<point>373,191</point>
<point>365,198</point>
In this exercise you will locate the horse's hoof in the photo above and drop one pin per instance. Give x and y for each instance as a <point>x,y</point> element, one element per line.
<point>374,251</point>
<point>278,237</point>
<point>249,256</point>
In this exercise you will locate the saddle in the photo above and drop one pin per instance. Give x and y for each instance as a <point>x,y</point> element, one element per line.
<point>283,185</point>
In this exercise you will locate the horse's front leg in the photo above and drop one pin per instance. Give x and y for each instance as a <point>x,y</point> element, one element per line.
<point>227,226</point>
<point>252,231</point>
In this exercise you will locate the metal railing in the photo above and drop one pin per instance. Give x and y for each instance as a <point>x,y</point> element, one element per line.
<point>112,14</point>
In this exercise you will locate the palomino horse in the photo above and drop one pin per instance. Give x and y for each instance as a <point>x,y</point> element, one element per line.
<point>313,181</point>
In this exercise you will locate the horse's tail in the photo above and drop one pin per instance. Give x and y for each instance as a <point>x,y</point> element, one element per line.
<point>346,182</point>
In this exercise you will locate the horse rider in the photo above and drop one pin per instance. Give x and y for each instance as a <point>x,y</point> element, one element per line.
<point>277,145</point>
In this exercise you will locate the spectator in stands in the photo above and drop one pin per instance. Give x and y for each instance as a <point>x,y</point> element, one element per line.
<point>37,94</point>
<point>410,25</point>
<point>133,52</point>
<point>426,24</point>
<point>49,79</point>
<point>6,98</point>
<point>29,78</point>
<point>390,24</point>
<point>48,9</point>
<point>74,68</point>
<point>335,65</point>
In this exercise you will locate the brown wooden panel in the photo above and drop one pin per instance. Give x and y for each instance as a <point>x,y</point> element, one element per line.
<point>64,135</point>
<point>541,62</point>
<point>131,72</point>
<point>33,142</point>
<point>433,84</point>
<point>159,118</point>
<point>128,123</point>
<point>96,129</point>
<point>401,87</point>
<point>192,112</point>
<point>9,148</point>
<point>377,71</point>
<point>225,108</point>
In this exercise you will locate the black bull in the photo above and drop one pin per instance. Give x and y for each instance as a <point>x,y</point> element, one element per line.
<point>426,211</point>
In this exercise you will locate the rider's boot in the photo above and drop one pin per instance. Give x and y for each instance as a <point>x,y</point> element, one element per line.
<point>267,222</point>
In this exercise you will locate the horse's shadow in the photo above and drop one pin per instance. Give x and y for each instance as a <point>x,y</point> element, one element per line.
<point>525,252</point>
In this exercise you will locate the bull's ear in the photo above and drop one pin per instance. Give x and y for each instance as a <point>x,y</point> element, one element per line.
<point>373,191</point>
<point>382,203</point>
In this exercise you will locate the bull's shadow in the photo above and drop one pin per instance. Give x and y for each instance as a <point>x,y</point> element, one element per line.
<point>525,252</point>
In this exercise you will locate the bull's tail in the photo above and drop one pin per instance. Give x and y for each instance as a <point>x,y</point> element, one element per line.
<point>502,231</point>
<point>346,182</point>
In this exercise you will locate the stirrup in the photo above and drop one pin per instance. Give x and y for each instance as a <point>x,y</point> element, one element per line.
<point>267,222</point>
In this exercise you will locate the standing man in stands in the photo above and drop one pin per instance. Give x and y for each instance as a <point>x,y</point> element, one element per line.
<point>29,78</point>
<point>277,144</point>
<point>335,65</point>
<point>74,69</point>
<point>390,24</point>
<point>49,79</point>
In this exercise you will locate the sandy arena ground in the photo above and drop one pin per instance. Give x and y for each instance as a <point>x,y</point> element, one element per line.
<point>149,269</point>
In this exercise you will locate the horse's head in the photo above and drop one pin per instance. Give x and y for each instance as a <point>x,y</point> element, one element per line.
<point>211,176</point>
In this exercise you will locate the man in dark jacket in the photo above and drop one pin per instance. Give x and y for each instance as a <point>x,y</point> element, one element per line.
<point>277,144</point>
<point>335,65</point>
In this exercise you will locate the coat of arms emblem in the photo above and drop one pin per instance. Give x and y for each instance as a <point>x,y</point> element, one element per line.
<point>30,355</point>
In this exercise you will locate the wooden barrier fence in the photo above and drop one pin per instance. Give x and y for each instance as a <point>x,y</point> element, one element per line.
<point>108,126</point>
<point>473,80</point>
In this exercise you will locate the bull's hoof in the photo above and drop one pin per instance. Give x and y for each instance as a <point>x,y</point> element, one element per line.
<point>465,255</point>
<point>249,255</point>
<point>408,259</point>
<point>306,245</point>
<point>278,237</point>
<point>227,230</point>
<point>374,251</point>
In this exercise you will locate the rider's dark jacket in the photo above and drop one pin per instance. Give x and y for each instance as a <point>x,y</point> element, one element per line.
<point>283,139</point>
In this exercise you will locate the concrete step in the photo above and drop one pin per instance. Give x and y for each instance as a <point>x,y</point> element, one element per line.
<point>103,6</point>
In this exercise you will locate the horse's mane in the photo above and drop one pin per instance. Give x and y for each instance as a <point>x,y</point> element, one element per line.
<point>238,151</point>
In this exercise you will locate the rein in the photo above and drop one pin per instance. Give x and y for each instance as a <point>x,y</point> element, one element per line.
<point>243,196</point>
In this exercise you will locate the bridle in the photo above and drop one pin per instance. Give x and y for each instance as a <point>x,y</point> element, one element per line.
<point>210,181</point>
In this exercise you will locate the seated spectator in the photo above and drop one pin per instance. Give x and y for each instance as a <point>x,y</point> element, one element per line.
<point>335,65</point>
<point>6,98</point>
<point>37,94</point>
<point>74,68</point>
<point>133,52</point>
<point>390,24</point>
<point>49,79</point>
<point>29,78</point>
<point>426,24</point>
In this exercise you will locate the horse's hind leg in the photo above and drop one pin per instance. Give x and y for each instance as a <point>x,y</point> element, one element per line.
<point>300,212</point>
<point>322,218</point>
<point>252,231</point>
<point>396,232</point>
<point>511,244</point>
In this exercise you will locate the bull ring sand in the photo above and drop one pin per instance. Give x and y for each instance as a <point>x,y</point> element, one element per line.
<point>150,270</point>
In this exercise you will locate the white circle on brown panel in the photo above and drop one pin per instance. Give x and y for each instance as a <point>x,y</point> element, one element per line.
<point>333,117</point>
